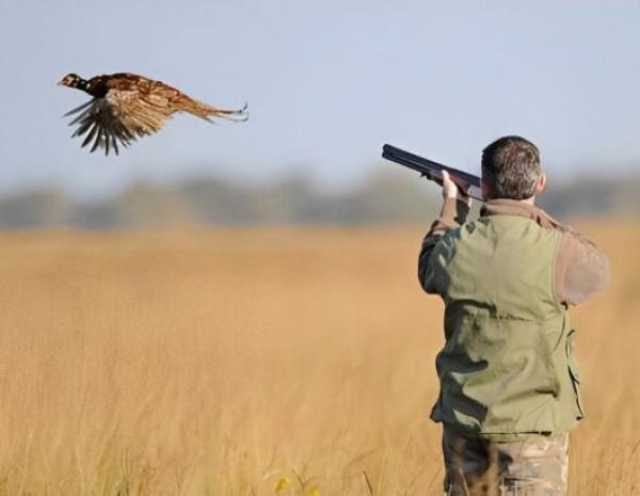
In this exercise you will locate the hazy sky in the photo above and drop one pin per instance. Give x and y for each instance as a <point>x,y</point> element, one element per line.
<point>328,82</point>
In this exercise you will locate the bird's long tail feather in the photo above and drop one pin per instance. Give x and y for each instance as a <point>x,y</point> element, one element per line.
<point>207,112</point>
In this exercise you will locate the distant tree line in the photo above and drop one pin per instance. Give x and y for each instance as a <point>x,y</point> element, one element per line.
<point>386,197</point>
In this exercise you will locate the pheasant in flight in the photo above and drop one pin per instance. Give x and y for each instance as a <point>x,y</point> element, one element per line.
<point>126,107</point>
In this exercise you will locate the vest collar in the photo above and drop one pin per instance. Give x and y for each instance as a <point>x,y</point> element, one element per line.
<point>504,206</point>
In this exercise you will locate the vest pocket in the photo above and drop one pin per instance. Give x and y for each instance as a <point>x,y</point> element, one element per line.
<point>574,374</point>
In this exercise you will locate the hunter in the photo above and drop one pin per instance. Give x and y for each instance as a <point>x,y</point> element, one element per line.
<point>509,385</point>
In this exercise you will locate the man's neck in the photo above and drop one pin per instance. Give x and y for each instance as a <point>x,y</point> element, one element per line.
<point>529,202</point>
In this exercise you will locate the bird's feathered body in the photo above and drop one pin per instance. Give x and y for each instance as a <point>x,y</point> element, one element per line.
<point>127,106</point>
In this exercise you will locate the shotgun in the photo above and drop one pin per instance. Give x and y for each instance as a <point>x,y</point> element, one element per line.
<point>467,183</point>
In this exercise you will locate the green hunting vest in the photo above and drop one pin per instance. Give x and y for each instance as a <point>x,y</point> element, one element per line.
<point>508,363</point>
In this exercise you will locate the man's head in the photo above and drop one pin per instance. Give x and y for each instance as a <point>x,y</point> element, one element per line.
<point>511,169</point>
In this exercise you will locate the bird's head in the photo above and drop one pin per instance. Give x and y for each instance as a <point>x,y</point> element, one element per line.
<point>72,81</point>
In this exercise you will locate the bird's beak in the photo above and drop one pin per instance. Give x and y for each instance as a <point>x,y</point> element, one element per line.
<point>60,83</point>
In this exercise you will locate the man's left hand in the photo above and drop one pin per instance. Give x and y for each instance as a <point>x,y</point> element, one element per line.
<point>451,189</point>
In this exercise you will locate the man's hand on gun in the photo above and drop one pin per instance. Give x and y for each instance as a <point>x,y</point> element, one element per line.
<point>452,190</point>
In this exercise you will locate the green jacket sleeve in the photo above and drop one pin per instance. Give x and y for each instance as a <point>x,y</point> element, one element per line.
<point>453,214</point>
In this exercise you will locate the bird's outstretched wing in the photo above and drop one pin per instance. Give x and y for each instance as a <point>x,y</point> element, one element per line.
<point>119,118</point>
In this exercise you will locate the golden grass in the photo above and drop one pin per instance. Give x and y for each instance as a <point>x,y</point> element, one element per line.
<point>251,362</point>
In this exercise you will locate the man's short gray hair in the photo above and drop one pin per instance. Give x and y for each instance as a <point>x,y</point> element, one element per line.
<point>511,168</point>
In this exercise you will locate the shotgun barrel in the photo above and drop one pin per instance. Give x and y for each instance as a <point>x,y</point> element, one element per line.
<point>433,170</point>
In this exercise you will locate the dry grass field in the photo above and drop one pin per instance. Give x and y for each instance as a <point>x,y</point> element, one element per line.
<point>258,362</point>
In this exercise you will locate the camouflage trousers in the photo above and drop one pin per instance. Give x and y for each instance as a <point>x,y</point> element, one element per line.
<point>535,466</point>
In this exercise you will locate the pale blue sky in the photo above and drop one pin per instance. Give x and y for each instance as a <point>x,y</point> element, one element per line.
<point>327,83</point>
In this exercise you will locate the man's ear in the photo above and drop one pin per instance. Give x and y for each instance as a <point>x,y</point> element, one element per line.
<point>541,185</point>
<point>486,190</point>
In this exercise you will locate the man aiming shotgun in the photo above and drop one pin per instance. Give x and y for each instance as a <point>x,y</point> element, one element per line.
<point>509,386</point>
